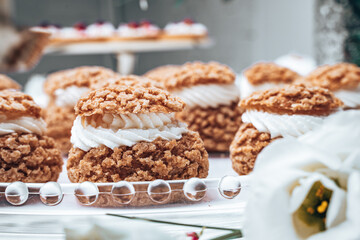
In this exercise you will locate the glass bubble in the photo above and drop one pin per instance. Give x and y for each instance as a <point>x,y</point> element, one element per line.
<point>87,193</point>
<point>159,191</point>
<point>123,192</point>
<point>194,189</point>
<point>229,187</point>
<point>17,193</point>
<point>51,193</point>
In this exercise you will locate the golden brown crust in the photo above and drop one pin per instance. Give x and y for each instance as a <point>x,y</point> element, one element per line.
<point>59,121</point>
<point>293,99</point>
<point>8,83</point>
<point>14,103</point>
<point>29,158</point>
<point>216,126</point>
<point>129,80</point>
<point>336,77</point>
<point>160,74</point>
<point>81,77</point>
<point>261,73</point>
<point>195,73</point>
<point>145,161</point>
<point>125,99</point>
<point>246,146</point>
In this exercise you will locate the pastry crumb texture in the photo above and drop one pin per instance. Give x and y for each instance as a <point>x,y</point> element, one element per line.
<point>29,158</point>
<point>145,161</point>
<point>246,146</point>
<point>216,126</point>
<point>126,99</point>
<point>293,99</point>
<point>336,77</point>
<point>59,122</point>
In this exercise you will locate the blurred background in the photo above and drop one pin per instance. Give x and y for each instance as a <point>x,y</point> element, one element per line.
<point>243,31</point>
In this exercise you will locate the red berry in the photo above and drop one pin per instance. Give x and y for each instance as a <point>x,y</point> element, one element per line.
<point>133,24</point>
<point>145,23</point>
<point>188,21</point>
<point>100,22</point>
<point>193,235</point>
<point>80,26</point>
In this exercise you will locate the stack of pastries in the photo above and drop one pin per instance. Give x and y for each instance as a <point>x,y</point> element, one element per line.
<point>163,124</point>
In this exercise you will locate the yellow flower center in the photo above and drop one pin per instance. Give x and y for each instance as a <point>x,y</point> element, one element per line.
<point>312,212</point>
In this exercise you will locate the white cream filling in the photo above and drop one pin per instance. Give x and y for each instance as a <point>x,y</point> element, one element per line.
<point>69,32</point>
<point>22,125</point>
<point>100,30</point>
<point>69,96</point>
<point>126,31</point>
<point>208,95</point>
<point>182,28</point>
<point>350,98</point>
<point>125,130</point>
<point>282,125</point>
<point>246,88</point>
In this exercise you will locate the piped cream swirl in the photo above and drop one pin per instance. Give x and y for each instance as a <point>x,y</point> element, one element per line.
<point>208,95</point>
<point>22,125</point>
<point>350,98</point>
<point>282,125</point>
<point>124,130</point>
<point>69,96</point>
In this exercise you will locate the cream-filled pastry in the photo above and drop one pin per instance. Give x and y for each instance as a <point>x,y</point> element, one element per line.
<point>100,29</point>
<point>263,76</point>
<point>128,133</point>
<point>144,29</point>
<point>290,111</point>
<point>26,154</point>
<point>64,89</point>
<point>185,28</point>
<point>343,79</point>
<point>211,98</point>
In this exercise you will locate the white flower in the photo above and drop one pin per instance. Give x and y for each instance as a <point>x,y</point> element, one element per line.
<point>308,188</point>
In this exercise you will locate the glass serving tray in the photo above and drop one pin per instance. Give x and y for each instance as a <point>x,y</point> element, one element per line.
<point>222,188</point>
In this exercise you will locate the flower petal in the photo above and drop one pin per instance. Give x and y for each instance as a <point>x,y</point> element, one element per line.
<point>267,213</point>
<point>290,153</point>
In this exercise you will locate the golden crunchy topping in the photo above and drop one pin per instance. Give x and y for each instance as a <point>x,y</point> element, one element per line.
<point>246,146</point>
<point>130,80</point>
<point>261,73</point>
<point>196,73</point>
<point>145,161</point>
<point>160,74</point>
<point>81,76</point>
<point>29,158</point>
<point>59,121</point>
<point>293,99</point>
<point>336,77</point>
<point>216,126</point>
<point>8,83</point>
<point>125,99</point>
<point>14,104</point>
